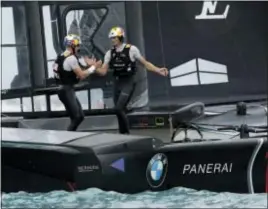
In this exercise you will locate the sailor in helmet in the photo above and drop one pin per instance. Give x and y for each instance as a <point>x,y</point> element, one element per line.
<point>68,72</point>
<point>122,60</point>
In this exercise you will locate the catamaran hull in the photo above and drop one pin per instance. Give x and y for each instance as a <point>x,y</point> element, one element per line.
<point>131,164</point>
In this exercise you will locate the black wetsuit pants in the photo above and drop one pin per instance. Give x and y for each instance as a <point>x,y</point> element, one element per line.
<point>72,105</point>
<point>123,91</point>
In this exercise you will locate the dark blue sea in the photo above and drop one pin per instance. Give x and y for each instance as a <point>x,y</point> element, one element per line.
<point>95,198</point>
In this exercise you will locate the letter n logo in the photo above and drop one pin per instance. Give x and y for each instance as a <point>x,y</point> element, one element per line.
<point>209,10</point>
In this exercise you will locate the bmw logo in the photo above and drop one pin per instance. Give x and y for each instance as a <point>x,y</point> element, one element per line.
<point>157,170</point>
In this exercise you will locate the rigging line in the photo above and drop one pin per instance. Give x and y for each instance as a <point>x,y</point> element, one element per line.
<point>237,49</point>
<point>164,63</point>
<point>160,33</point>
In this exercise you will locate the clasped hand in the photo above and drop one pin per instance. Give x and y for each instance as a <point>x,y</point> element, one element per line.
<point>93,61</point>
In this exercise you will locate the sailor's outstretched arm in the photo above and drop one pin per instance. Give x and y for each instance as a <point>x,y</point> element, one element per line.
<point>148,65</point>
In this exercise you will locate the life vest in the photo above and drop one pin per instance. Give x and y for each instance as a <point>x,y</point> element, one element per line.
<point>62,76</point>
<point>121,63</point>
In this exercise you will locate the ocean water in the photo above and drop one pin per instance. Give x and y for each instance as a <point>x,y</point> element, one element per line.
<point>95,198</point>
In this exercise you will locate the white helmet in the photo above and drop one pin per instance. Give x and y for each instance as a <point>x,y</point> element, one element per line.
<point>116,32</point>
<point>72,40</point>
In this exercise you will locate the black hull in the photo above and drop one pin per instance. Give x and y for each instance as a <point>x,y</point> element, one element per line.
<point>238,166</point>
